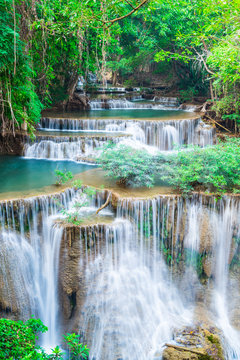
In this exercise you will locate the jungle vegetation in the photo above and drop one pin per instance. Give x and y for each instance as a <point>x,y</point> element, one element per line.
<point>18,340</point>
<point>211,169</point>
<point>45,46</point>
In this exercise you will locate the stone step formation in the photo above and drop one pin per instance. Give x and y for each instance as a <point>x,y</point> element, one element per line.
<point>141,275</point>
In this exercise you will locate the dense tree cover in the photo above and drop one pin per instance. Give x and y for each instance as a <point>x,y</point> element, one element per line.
<point>197,40</point>
<point>212,169</point>
<point>45,46</point>
<point>18,340</point>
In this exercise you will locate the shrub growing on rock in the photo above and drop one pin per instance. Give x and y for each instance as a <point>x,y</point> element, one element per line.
<point>213,168</point>
<point>128,166</point>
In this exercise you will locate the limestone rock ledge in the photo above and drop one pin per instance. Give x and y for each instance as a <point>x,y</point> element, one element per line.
<point>195,344</point>
<point>79,245</point>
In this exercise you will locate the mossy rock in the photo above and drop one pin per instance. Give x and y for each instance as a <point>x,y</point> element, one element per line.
<point>173,354</point>
<point>195,344</point>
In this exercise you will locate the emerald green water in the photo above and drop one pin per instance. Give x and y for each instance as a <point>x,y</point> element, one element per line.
<point>125,114</point>
<point>133,113</point>
<point>20,174</point>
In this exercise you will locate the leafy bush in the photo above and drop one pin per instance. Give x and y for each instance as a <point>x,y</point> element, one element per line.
<point>62,176</point>
<point>76,348</point>
<point>214,168</point>
<point>18,339</point>
<point>233,117</point>
<point>187,95</point>
<point>226,105</point>
<point>128,166</point>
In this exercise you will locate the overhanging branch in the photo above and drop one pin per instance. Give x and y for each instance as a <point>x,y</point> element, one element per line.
<point>111,22</point>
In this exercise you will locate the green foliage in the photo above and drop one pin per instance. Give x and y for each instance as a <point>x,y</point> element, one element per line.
<point>77,350</point>
<point>204,41</point>
<point>57,353</point>
<point>62,176</point>
<point>74,215</point>
<point>214,168</point>
<point>226,106</point>
<point>77,184</point>
<point>187,95</point>
<point>233,117</point>
<point>128,166</point>
<point>18,339</point>
<point>44,47</point>
<point>18,100</point>
<point>36,325</point>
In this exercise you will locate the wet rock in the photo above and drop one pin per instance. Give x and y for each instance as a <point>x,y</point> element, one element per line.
<point>208,266</point>
<point>173,354</point>
<point>206,235</point>
<point>196,343</point>
<point>78,246</point>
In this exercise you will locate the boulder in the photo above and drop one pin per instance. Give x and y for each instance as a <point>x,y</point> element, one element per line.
<point>195,343</point>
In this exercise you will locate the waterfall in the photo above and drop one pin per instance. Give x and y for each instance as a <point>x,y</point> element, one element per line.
<point>65,148</point>
<point>227,228</point>
<point>17,274</point>
<point>131,306</point>
<point>157,104</point>
<point>30,242</point>
<point>142,278</point>
<point>135,301</point>
<point>161,134</point>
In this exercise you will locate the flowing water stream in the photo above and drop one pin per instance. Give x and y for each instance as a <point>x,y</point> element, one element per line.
<point>141,273</point>
<point>29,260</point>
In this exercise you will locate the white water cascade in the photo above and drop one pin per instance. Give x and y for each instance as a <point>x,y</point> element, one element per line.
<point>156,104</point>
<point>137,297</point>
<point>30,243</point>
<point>227,228</point>
<point>163,135</point>
<point>132,306</point>
<point>64,148</point>
<point>135,301</point>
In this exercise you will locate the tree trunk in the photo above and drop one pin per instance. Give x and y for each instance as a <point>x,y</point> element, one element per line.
<point>211,90</point>
<point>114,78</point>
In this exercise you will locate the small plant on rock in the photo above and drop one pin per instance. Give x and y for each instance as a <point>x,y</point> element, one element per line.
<point>78,351</point>
<point>62,176</point>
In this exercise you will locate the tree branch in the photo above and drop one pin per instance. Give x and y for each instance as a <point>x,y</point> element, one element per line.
<point>130,13</point>
<point>181,348</point>
<point>217,123</point>
<point>105,204</point>
<point>204,63</point>
<point>129,4</point>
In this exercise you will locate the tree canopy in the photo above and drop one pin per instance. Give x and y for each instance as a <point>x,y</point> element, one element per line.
<point>45,46</point>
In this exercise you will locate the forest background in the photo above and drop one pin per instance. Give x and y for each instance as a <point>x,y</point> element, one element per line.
<point>46,45</point>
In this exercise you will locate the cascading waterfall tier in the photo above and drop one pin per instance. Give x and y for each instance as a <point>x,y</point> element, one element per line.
<point>131,305</point>
<point>30,242</point>
<point>66,147</point>
<point>140,275</point>
<point>158,103</point>
<point>162,134</point>
<point>135,301</point>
